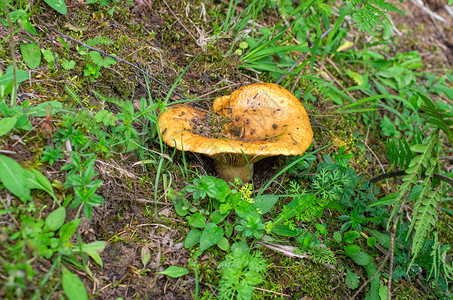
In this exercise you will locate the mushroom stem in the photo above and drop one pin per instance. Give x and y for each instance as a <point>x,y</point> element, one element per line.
<point>228,172</point>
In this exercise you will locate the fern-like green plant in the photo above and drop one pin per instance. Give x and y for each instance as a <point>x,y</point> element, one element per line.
<point>415,171</point>
<point>99,40</point>
<point>241,271</point>
<point>439,114</point>
<point>369,14</point>
<point>72,94</point>
<point>399,152</point>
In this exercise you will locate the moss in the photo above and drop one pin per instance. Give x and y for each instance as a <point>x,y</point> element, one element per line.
<point>301,278</point>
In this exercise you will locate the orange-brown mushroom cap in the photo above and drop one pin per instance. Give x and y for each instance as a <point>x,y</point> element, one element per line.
<point>266,119</point>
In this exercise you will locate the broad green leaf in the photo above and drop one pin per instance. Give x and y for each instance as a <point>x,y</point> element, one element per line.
<point>375,284</point>
<point>211,235</point>
<point>145,256</point>
<point>223,244</point>
<point>350,236</point>
<point>382,238</point>
<point>284,230</point>
<point>196,220</point>
<point>419,148</point>
<point>27,26</point>
<point>56,219</point>
<point>73,286</point>
<point>217,217</point>
<point>382,291</point>
<point>36,180</point>
<point>43,109</point>
<point>352,249</point>
<point>360,258</point>
<point>31,54</point>
<point>68,229</point>
<point>352,280</point>
<point>100,61</point>
<point>58,5</point>
<point>13,177</point>
<point>337,236</point>
<point>321,228</point>
<point>6,124</point>
<point>192,238</point>
<point>23,122</point>
<point>68,64</point>
<point>174,272</point>
<point>93,249</point>
<point>220,189</point>
<point>181,206</point>
<point>21,76</point>
<point>371,241</point>
<point>264,203</point>
<point>245,209</point>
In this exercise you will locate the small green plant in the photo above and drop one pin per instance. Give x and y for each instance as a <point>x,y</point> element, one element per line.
<point>20,13</point>
<point>51,155</point>
<point>233,206</point>
<point>80,178</point>
<point>48,238</point>
<point>93,71</point>
<point>240,272</point>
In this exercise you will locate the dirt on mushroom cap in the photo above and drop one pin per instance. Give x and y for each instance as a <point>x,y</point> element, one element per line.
<point>272,122</point>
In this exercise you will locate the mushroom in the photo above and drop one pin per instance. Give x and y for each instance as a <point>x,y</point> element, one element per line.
<point>259,120</point>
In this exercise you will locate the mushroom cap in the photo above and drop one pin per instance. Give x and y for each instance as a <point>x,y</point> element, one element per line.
<point>264,118</point>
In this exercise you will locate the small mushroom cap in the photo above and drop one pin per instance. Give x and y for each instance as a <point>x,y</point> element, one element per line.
<point>267,120</point>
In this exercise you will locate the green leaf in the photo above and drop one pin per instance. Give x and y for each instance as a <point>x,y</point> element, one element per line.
<point>321,228</point>
<point>245,209</point>
<point>100,61</point>
<point>13,177</point>
<point>419,148</point>
<point>285,230</point>
<point>36,180</point>
<point>350,236</point>
<point>68,229</point>
<point>23,122</point>
<point>145,256</point>
<point>192,238</point>
<point>41,110</point>
<point>58,5</point>
<point>217,217</point>
<point>174,272</point>
<point>352,280</point>
<point>21,76</point>
<point>337,236</point>
<point>223,244</point>
<point>196,220</point>
<point>352,249</point>
<point>6,124</point>
<point>220,189</point>
<point>382,291</point>
<point>211,235</point>
<point>56,219</point>
<point>264,203</point>
<point>93,249</point>
<point>31,55</point>
<point>28,26</point>
<point>360,258</point>
<point>382,238</point>
<point>181,206</point>
<point>73,286</point>
<point>371,241</point>
<point>68,65</point>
